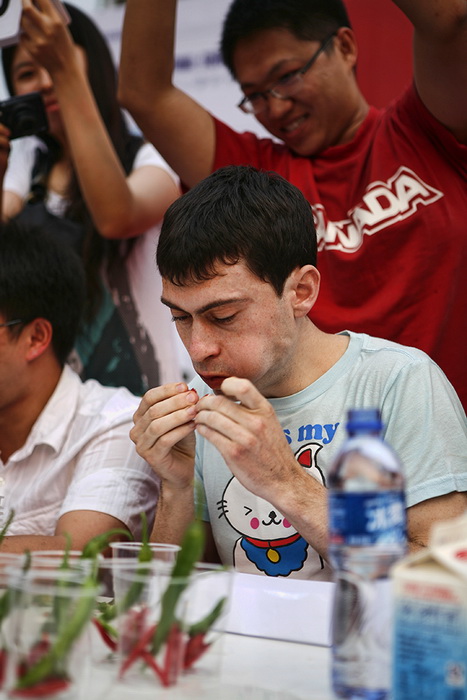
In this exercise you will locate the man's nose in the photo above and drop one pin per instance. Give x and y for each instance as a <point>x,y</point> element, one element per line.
<point>277,106</point>
<point>203,344</point>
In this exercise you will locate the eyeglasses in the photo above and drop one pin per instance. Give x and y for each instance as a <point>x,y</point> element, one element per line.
<point>11,323</point>
<point>287,86</point>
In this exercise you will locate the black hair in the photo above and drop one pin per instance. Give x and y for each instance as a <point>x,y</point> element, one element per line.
<point>308,20</point>
<point>237,214</point>
<point>41,277</point>
<point>102,78</point>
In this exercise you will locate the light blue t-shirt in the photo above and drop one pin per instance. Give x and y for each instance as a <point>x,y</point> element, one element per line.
<point>424,422</point>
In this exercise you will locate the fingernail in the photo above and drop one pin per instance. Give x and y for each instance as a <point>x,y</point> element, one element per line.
<point>192,397</point>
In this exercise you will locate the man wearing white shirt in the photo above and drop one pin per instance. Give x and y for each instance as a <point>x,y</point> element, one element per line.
<point>67,464</point>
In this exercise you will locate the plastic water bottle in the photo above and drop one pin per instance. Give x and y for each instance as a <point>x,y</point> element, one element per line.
<point>367,534</point>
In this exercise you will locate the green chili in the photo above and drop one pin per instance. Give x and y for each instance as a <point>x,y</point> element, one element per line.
<point>8,521</point>
<point>97,544</point>
<point>203,625</point>
<point>190,552</point>
<point>7,600</point>
<point>60,604</point>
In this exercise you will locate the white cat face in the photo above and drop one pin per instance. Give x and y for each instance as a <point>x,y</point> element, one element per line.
<point>253,516</point>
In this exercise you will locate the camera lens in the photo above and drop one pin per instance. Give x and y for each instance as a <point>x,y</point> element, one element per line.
<point>24,120</point>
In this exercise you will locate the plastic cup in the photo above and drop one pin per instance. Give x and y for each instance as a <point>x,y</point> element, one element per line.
<point>56,553</point>
<point>172,626</point>
<point>161,551</point>
<point>105,618</point>
<point>55,558</point>
<point>15,562</point>
<point>206,617</point>
<point>49,626</point>
<point>10,559</point>
<point>151,627</point>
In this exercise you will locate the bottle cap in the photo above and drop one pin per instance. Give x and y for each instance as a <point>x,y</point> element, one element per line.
<point>364,420</point>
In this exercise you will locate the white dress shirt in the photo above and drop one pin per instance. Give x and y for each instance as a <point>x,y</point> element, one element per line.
<point>79,456</point>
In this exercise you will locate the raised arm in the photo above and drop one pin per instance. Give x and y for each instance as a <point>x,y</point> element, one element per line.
<point>121,206</point>
<point>440,59</point>
<point>180,128</point>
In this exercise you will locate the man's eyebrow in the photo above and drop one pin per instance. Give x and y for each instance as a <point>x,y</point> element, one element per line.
<point>207,307</point>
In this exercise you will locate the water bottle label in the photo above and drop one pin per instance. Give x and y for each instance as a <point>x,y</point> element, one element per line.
<point>365,519</point>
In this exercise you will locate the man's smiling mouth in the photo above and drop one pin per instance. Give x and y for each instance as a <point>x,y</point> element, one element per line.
<point>293,125</point>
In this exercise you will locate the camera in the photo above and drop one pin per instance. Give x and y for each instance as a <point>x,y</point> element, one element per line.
<point>24,115</point>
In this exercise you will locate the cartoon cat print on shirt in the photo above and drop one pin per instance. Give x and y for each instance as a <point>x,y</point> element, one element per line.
<point>268,541</point>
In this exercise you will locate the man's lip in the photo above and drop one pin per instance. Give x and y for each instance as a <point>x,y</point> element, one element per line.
<point>213,380</point>
<point>293,125</point>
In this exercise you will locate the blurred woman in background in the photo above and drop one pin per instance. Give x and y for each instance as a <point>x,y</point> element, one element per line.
<point>90,179</point>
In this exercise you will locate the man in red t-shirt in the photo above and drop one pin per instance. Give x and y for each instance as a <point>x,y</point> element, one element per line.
<point>388,187</point>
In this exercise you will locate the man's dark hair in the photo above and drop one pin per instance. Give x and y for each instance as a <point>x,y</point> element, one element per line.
<point>41,278</point>
<point>308,20</point>
<point>237,214</point>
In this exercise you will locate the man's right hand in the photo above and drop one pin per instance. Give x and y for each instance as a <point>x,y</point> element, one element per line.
<point>164,433</point>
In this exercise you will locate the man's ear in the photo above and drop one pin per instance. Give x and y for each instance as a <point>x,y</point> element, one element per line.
<point>346,44</point>
<point>38,338</point>
<point>305,287</point>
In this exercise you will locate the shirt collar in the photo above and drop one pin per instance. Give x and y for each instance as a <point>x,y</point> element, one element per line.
<point>51,427</point>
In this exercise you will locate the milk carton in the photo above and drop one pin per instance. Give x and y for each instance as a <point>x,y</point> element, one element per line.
<point>430,618</point>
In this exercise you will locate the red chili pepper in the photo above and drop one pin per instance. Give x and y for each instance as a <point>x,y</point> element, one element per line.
<point>105,636</point>
<point>152,663</point>
<point>195,647</point>
<point>3,662</point>
<point>173,655</point>
<point>135,624</point>
<point>42,689</point>
<point>138,650</point>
